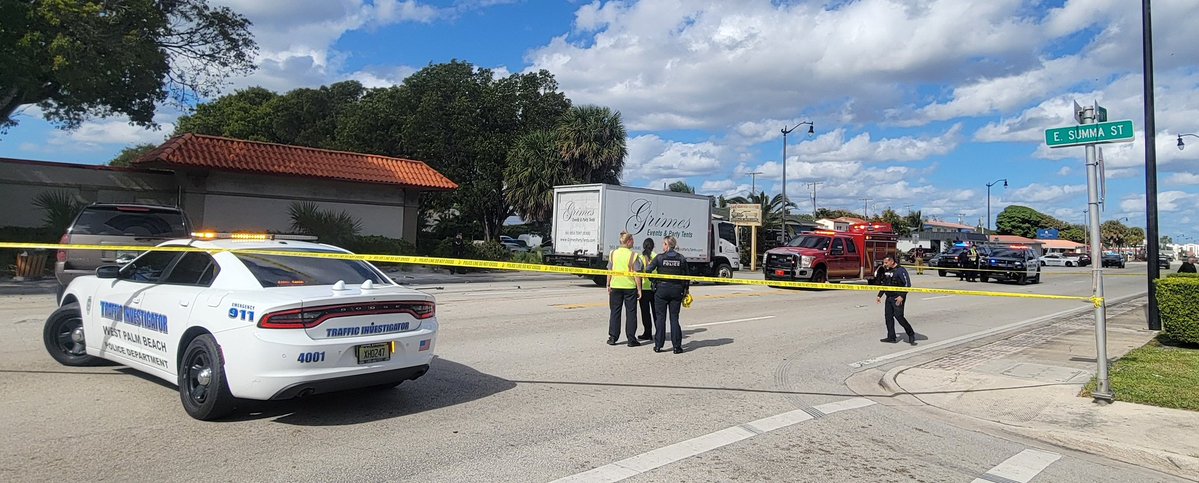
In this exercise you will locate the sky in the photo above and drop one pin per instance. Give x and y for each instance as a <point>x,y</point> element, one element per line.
<point>915,104</point>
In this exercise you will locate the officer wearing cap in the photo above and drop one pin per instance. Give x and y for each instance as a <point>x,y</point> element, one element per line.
<point>668,294</point>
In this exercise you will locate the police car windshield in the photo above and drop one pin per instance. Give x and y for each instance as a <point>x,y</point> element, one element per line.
<point>285,271</point>
<point>813,242</point>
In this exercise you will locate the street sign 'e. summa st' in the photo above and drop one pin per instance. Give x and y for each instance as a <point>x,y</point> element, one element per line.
<point>1104,132</point>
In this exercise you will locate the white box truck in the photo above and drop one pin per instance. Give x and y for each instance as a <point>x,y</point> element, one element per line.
<point>588,220</point>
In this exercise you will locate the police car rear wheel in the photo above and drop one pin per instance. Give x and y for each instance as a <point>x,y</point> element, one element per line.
<point>202,386</point>
<point>64,337</point>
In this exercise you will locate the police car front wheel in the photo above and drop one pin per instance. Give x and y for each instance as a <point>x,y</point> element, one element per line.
<point>202,385</point>
<point>64,338</point>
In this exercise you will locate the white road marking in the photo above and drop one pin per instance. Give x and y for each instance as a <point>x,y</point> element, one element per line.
<point>937,297</point>
<point>1022,468</point>
<point>663,456</point>
<point>731,321</point>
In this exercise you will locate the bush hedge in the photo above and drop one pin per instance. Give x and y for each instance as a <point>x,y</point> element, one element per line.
<point>1182,275</point>
<point>1178,304</point>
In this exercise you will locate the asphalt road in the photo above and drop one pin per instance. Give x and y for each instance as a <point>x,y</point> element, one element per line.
<point>525,389</point>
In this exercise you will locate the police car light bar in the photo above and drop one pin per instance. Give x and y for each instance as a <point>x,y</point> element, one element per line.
<point>212,235</point>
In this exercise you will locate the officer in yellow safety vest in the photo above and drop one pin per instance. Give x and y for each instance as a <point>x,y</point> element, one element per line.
<point>646,301</point>
<point>623,291</point>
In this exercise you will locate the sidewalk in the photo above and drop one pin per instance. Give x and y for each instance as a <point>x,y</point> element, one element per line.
<point>1030,384</point>
<point>8,286</point>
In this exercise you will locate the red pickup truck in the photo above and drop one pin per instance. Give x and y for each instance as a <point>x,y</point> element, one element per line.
<point>832,256</point>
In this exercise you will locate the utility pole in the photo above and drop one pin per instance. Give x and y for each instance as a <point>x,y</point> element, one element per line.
<point>1151,233</point>
<point>866,207</point>
<point>813,185</point>
<point>961,217</point>
<point>753,182</point>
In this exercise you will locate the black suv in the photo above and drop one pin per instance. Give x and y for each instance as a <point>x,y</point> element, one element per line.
<point>115,224</point>
<point>1020,266</point>
<point>1113,260</point>
<point>947,262</point>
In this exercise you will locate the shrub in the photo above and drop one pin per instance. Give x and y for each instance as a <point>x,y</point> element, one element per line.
<point>527,257</point>
<point>60,206</point>
<point>1182,275</point>
<point>1178,304</point>
<point>490,250</point>
<point>338,229</point>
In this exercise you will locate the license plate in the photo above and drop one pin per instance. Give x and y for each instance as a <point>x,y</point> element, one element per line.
<point>368,353</point>
<point>779,273</point>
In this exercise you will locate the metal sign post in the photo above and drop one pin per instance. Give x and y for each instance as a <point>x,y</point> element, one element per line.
<point>1103,391</point>
<point>1089,135</point>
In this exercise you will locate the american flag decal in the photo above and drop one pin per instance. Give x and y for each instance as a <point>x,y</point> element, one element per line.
<point>424,345</point>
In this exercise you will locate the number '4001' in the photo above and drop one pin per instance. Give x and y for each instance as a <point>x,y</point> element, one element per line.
<point>241,314</point>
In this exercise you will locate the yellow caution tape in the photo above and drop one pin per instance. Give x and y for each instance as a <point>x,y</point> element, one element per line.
<point>534,267</point>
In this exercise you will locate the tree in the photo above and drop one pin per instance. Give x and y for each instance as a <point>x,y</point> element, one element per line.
<point>1136,236</point>
<point>77,59</point>
<point>592,141</point>
<point>830,214</point>
<point>245,114</point>
<point>534,168</point>
<point>914,221</point>
<point>125,158</point>
<point>898,223</point>
<point>680,187</point>
<point>1074,233</point>
<point>1019,220</point>
<point>1165,241</point>
<point>1113,234</point>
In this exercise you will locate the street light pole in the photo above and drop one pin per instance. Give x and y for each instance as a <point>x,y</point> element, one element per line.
<point>989,185</point>
<point>1182,145</point>
<point>1154,319</point>
<point>785,131</point>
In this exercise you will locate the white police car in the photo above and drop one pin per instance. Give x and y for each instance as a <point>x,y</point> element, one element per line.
<point>228,325</point>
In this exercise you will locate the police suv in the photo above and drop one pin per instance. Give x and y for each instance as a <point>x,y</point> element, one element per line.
<point>225,325</point>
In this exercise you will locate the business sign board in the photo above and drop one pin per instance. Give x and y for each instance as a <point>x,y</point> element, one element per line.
<point>745,214</point>
<point>1048,234</point>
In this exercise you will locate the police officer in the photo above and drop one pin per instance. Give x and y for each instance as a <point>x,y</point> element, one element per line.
<point>623,292</point>
<point>646,301</point>
<point>893,275</point>
<point>669,294</point>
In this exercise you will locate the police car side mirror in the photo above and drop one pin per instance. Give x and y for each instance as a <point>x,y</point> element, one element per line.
<point>108,271</point>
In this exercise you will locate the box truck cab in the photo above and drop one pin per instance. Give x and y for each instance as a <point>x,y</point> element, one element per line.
<point>588,220</point>
<point>832,256</point>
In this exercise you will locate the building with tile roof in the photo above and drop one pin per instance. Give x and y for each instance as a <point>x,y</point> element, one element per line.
<point>228,184</point>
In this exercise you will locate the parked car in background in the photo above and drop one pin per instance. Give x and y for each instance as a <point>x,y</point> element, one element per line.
<point>116,224</point>
<point>946,262</point>
<point>1059,260</point>
<point>514,245</point>
<point>1113,260</point>
<point>1083,259</point>
<point>1163,262</point>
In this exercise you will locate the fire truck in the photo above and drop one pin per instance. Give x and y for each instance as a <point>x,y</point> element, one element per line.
<point>832,256</point>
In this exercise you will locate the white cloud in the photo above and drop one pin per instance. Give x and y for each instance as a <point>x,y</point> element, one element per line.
<point>1183,178</point>
<point>1039,193</point>
<point>834,147</point>
<point>667,64</point>
<point>1064,171</point>
<point>93,134</point>
<point>1167,202</point>
<point>651,156</point>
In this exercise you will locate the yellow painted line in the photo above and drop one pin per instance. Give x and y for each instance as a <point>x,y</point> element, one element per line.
<point>533,267</point>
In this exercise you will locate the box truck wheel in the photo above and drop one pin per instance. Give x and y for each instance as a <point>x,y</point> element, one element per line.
<point>600,280</point>
<point>724,271</point>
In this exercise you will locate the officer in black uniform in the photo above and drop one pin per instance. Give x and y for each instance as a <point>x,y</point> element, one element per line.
<point>668,294</point>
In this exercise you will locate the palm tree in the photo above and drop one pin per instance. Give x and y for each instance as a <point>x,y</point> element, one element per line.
<point>591,139</point>
<point>680,187</point>
<point>534,168</point>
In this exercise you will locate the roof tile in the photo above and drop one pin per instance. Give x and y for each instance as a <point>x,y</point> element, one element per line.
<point>226,154</point>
